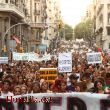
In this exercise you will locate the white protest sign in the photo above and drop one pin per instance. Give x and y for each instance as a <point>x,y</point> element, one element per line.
<point>3,60</point>
<point>93,58</point>
<point>65,62</point>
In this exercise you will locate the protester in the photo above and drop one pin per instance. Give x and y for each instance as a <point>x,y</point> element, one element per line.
<point>36,87</point>
<point>5,91</point>
<point>22,77</point>
<point>98,87</point>
<point>17,90</point>
<point>73,79</point>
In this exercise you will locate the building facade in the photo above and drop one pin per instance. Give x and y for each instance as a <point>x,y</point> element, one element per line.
<point>37,20</point>
<point>53,18</point>
<point>34,22</point>
<point>12,12</point>
<point>103,23</point>
<point>43,16</point>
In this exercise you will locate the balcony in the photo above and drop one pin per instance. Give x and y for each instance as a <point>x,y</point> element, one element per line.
<point>38,25</point>
<point>37,12</point>
<point>4,7</point>
<point>37,0</point>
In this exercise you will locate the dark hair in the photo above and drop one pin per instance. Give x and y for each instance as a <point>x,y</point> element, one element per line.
<point>36,82</point>
<point>73,76</point>
<point>87,75</point>
<point>9,76</point>
<point>107,75</point>
<point>95,83</point>
<point>6,81</point>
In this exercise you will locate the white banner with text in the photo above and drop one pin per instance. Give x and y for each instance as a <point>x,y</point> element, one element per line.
<point>30,57</point>
<point>56,101</point>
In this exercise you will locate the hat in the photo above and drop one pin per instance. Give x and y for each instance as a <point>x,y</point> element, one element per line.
<point>73,76</point>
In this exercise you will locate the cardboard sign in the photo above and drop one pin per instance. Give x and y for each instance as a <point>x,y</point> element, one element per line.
<point>49,74</point>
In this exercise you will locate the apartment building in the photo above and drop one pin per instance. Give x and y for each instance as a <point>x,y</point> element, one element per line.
<point>37,20</point>
<point>33,21</point>
<point>53,18</point>
<point>102,23</point>
<point>43,16</point>
<point>12,12</point>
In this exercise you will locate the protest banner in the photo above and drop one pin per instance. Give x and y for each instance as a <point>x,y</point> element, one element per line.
<point>3,60</point>
<point>30,57</point>
<point>20,56</point>
<point>33,56</point>
<point>56,101</point>
<point>65,62</point>
<point>94,58</point>
<point>49,74</point>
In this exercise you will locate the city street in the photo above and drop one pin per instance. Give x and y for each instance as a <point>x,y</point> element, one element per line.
<point>54,55</point>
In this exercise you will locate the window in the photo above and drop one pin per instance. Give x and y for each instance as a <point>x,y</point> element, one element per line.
<point>6,1</point>
<point>109,45</point>
<point>108,30</point>
<point>37,35</point>
<point>35,19</point>
<point>35,6</point>
<point>109,18</point>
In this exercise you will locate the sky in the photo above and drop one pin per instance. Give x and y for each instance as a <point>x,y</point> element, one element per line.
<point>73,10</point>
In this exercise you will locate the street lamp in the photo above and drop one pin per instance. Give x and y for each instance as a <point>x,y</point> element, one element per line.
<point>3,42</point>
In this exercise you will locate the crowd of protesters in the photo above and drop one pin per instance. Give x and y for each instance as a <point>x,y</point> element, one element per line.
<point>23,77</point>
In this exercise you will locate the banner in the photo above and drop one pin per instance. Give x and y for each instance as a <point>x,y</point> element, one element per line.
<point>93,58</point>
<point>65,62</point>
<point>49,74</point>
<point>56,101</point>
<point>3,60</point>
<point>33,57</point>
<point>30,57</point>
<point>20,56</point>
<point>45,57</point>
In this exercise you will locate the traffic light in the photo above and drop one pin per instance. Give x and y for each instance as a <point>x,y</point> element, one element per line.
<point>59,26</point>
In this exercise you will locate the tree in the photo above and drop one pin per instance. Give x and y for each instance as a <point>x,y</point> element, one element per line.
<point>68,32</point>
<point>85,30</point>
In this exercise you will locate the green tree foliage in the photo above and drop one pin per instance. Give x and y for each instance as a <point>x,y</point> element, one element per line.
<point>68,32</point>
<point>84,30</point>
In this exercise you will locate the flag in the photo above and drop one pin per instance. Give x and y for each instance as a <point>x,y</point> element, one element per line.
<point>17,39</point>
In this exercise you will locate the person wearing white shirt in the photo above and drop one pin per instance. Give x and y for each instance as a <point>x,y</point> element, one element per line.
<point>5,91</point>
